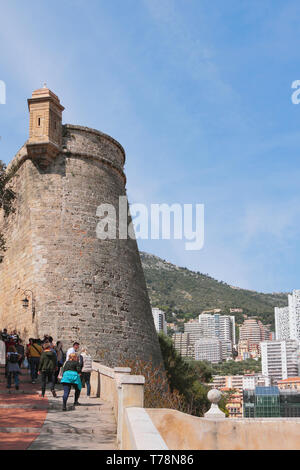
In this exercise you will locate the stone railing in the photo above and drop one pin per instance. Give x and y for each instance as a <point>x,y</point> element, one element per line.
<point>160,429</point>
<point>181,431</point>
<point>125,392</point>
<point>185,432</point>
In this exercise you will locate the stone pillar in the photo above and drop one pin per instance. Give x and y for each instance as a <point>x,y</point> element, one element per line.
<point>130,394</point>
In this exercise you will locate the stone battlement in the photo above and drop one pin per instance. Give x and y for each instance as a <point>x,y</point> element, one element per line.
<point>90,143</point>
<point>84,142</point>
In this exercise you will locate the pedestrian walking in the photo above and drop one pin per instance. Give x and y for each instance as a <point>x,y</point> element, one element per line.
<point>2,353</point>
<point>60,358</point>
<point>33,353</point>
<point>13,368</point>
<point>14,336</point>
<point>21,351</point>
<point>72,350</point>
<point>45,339</point>
<point>8,342</point>
<point>86,370</point>
<point>71,378</point>
<point>47,368</point>
<point>4,335</point>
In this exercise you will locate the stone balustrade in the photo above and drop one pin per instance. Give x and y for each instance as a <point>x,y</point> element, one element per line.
<point>140,428</point>
<point>125,392</point>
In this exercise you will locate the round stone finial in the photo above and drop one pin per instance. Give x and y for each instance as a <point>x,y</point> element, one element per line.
<point>214,412</point>
<point>214,395</point>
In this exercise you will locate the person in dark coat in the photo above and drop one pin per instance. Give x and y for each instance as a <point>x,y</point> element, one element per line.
<point>20,350</point>
<point>47,368</point>
<point>60,358</point>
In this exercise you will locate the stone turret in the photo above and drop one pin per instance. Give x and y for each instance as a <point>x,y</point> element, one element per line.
<point>45,126</point>
<point>80,287</point>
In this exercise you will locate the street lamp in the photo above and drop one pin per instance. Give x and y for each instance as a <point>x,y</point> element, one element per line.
<point>25,302</point>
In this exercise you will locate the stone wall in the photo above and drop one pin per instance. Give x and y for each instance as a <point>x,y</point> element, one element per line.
<point>85,289</point>
<point>17,268</point>
<point>181,431</point>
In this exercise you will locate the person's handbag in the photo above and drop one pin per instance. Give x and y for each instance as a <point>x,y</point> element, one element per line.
<point>61,373</point>
<point>25,363</point>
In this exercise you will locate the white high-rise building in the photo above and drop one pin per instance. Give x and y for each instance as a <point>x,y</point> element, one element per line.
<point>282,323</point>
<point>287,319</point>
<point>208,325</point>
<point>183,345</point>
<point>208,349</point>
<point>220,326</point>
<point>280,359</point>
<point>251,331</point>
<point>226,349</point>
<point>227,328</point>
<point>194,329</point>
<point>294,315</point>
<point>159,320</point>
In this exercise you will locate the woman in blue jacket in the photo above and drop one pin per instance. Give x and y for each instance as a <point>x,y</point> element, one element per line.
<point>71,378</point>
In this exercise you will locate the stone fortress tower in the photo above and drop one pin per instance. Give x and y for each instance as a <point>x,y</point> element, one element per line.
<point>75,286</point>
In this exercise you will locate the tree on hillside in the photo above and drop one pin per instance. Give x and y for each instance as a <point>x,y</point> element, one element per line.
<point>203,370</point>
<point>237,367</point>
<point>7,197</point>
<point>186,378</point>
<point>181,376</point>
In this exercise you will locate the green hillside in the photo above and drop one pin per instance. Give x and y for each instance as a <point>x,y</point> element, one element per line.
<point>188,293</point>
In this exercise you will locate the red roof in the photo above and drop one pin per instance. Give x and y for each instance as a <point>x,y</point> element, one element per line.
<point>290,379</point>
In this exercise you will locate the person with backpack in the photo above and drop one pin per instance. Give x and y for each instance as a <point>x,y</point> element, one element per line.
<point>9,342</point>
<point>13,368</point>
<point>20,350</point>
<point>86,370</point>
<point>34,352</point>
<point>47,368</point>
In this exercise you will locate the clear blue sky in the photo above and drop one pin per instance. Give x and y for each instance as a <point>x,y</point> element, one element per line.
<point>198,93</point>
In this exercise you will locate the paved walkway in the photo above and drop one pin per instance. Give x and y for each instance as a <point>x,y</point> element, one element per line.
<point>28,421</point>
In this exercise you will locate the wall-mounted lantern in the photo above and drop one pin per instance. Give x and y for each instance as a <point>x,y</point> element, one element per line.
<point>25,302</point>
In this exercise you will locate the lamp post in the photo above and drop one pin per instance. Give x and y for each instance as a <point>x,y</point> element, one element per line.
<point>25,302</point>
